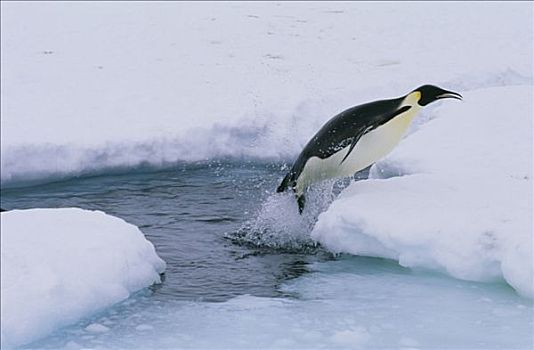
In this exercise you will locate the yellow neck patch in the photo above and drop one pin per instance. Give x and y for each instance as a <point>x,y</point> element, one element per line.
<point>412,99</point>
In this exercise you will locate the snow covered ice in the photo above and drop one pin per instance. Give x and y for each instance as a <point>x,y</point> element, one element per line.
<point>100,88</point>
<point>117,85</point>
<point>60,265</point>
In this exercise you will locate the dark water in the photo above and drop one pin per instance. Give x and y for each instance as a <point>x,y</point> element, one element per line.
<point>186,212</point>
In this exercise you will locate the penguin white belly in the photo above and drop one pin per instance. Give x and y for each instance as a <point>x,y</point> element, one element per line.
<point>371,147</point>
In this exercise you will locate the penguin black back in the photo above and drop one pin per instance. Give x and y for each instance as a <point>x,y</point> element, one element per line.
<point>341,131</point>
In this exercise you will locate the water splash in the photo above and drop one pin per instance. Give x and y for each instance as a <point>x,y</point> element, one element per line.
<point>278,224</point>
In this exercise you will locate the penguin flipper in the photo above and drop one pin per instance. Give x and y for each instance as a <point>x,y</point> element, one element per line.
<point>301,200</point>
<point>355,140</point>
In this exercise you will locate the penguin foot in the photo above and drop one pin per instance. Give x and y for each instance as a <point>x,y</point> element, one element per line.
<point>301,200</point>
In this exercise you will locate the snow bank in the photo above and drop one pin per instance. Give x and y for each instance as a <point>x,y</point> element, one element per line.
<point>90,86</point>
<point>59,265</point>
<point>462,202</point>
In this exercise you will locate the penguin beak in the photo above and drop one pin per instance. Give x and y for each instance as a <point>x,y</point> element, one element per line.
<point>449,94</point>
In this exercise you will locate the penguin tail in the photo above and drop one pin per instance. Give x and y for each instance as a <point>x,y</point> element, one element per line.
<point>284,184</point>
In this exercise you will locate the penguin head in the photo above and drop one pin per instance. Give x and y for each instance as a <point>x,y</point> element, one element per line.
<point>431,93</point>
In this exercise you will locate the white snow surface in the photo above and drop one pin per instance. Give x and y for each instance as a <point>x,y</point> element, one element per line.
<point>456,195</point>
<point>89,86</point>
<point>59,265</point>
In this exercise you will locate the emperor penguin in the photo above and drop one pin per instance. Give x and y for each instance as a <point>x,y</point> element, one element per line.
<point>356,138</point>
